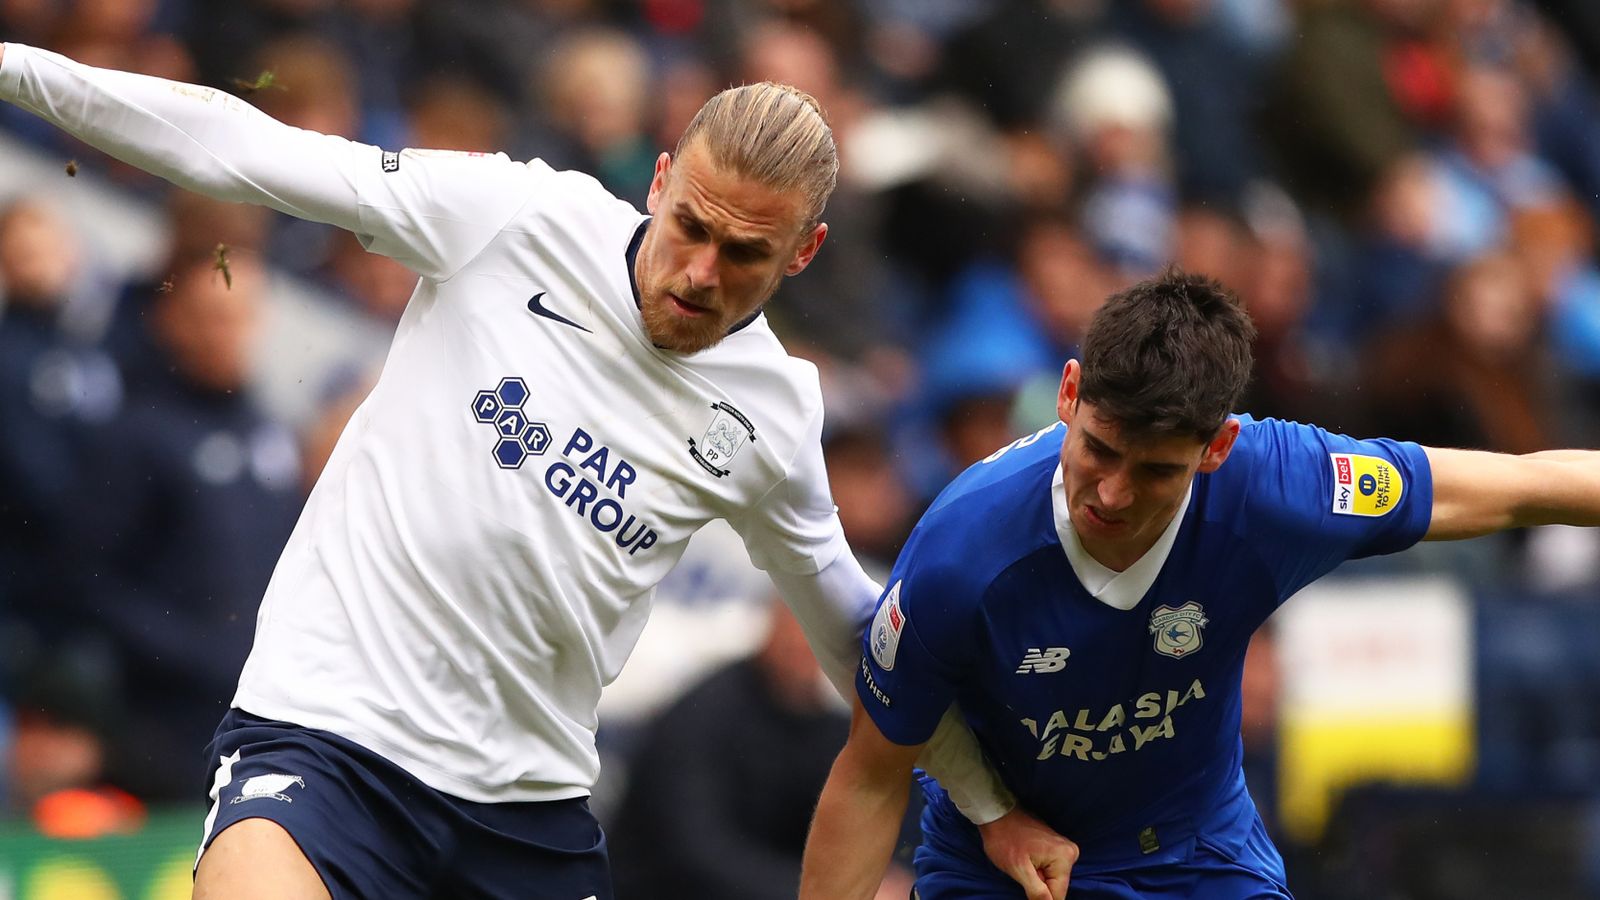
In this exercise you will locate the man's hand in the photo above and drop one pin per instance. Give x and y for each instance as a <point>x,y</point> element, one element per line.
<point>1033,855</point>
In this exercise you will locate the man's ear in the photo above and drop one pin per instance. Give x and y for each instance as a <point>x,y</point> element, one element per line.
<point>1221,445</point>
<point>1067,394</point>
<point>808,250</point>
<point>659,182</point>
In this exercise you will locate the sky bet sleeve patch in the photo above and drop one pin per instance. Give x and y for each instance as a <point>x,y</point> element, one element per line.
<point>1365,485</point>
<point>886,628</point>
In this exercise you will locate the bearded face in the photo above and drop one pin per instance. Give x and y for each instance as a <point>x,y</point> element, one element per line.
<point>718,248</point>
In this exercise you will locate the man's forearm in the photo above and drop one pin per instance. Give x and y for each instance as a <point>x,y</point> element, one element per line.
<point>1477,492</point>
<point>854,832</point>
<point>1572,496</point>
<point>196,137</point>
<point>832,607</point>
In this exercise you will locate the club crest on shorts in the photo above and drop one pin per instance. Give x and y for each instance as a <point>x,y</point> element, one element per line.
<point>258,786</point>
<point>1177,630</point>
<point>728,432</point>
<point>886,628</point>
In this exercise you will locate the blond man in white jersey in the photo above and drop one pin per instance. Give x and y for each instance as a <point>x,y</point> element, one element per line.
<point>574,389</point>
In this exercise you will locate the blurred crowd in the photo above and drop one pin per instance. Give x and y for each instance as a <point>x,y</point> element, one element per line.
<point>1403,192</point>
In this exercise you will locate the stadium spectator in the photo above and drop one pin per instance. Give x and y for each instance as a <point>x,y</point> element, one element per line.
<point>1475,374</point>
<point>54,388</point>
<point>1117,109</point>
<point>1301,374</point>
<point>876,506</point>
<point>55,760</point>
<point>120,34</point>
<point>1556,246</point>
<point>450,112</point>
<point>375,284</point>
<point>595,84</point>
<point>1008,61</point>
<point>382,40</point>
<point>1336,118</point>
<point>226,39</point>
<point>840,304</point>
<point>1488,172</point>
<point>1214,89</point>
<point>191,492</point>
<point>197,226</point>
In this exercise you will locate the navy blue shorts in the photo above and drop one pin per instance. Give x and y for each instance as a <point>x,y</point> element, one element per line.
<point>372,830</point>
<point>1195,867</point>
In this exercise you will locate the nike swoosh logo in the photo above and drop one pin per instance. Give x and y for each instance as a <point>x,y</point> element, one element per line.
<point>537,307</point>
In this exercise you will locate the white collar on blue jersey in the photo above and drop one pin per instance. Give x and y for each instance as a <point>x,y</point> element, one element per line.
<point>1118,590</point>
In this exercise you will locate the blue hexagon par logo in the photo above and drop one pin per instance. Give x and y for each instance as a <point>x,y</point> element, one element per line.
<point>512,392</point>
<point>518,436</point>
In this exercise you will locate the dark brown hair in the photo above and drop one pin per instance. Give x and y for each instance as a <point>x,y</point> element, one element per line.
<point>1169,355</point>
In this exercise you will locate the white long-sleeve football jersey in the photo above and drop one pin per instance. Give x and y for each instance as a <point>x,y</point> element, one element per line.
<point>478,558</point>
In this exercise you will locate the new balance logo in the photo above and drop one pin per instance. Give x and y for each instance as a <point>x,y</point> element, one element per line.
<point>537,307</point>
<point>1050,659</point>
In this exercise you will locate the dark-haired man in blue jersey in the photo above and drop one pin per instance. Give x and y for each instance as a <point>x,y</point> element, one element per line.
<point>1086,594</point>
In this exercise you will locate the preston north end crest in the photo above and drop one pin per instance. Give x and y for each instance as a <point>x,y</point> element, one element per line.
<point>1177,630</point>
<point>728,432</point>
<point>275,786</point>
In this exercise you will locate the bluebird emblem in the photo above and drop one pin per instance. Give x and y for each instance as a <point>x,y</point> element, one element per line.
<point>1178,630</point>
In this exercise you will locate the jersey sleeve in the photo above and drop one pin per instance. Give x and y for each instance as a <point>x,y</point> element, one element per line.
<point>917,645</point>
<point>794,528</point>
<point>432,212</point>
<point>1316,499</point>
<point>435,210</point>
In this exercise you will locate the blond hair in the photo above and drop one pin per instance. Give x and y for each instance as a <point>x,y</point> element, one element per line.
<point>773,133</point>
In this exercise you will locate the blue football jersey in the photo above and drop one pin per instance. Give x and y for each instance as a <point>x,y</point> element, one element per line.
<point>1120,727</point>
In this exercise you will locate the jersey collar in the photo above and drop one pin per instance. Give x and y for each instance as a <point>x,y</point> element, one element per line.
<point>1118,590</point>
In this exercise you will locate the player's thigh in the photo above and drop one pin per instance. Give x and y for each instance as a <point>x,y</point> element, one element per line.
<point>365,827</point>
<point>255,859</point>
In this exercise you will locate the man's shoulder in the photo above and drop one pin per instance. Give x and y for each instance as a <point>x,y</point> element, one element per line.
<point>752,369</point>
<point>565,211</point>
<point>578,188</point>
<point>1264,444</point>
<point>996,513</point>
<point>1015,479</point>
<point>1279,478</point>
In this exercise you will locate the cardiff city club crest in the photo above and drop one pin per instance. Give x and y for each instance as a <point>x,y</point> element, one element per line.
<point>728,432</point>
<point>1177,630</point>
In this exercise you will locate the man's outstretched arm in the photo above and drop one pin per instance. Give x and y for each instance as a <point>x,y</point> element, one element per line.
<point>858,815</point>
<point>1477,493</point>
<point>432,214</point>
